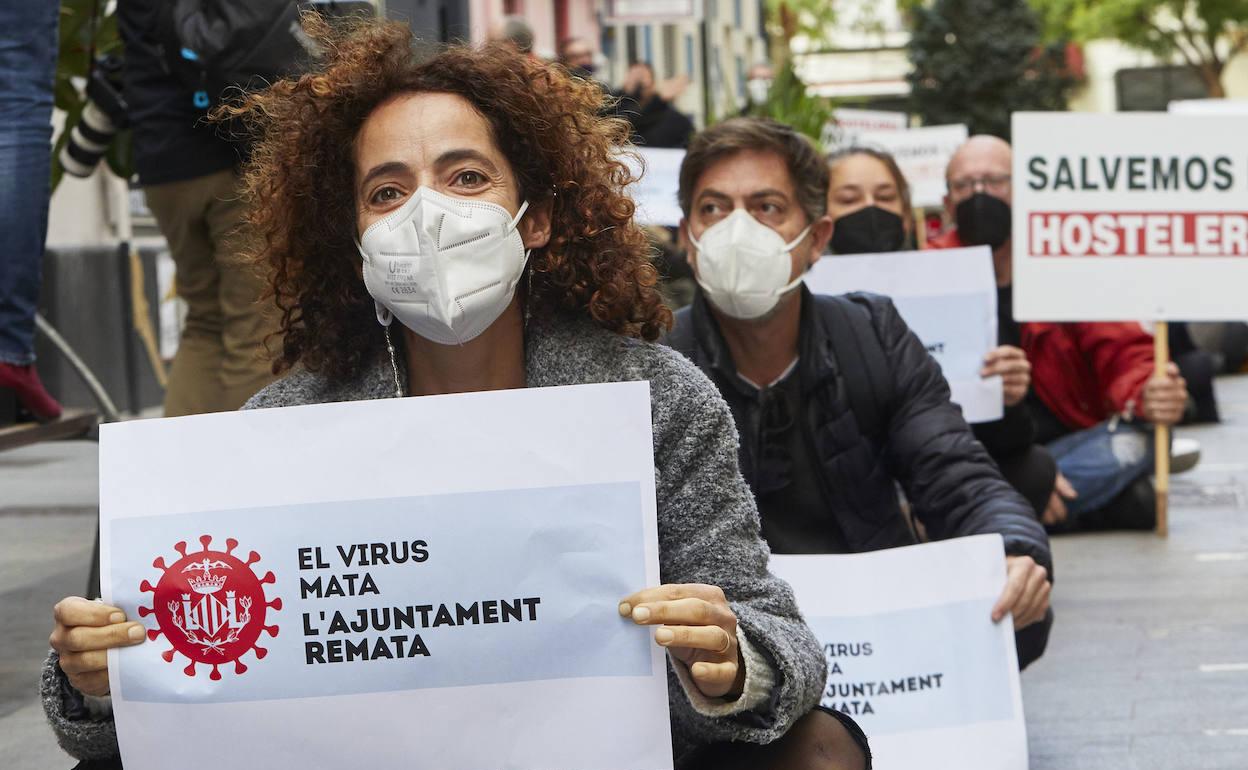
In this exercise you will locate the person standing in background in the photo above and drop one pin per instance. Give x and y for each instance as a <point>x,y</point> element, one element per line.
<point>27,71</point>
<point>190,177</point>
<point>576,55</point>
<point>643,103</point>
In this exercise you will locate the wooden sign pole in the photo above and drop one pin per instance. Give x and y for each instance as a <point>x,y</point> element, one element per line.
<point>1161,355</point>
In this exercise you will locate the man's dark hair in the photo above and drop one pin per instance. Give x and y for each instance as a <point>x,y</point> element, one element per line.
<point>806,165</point>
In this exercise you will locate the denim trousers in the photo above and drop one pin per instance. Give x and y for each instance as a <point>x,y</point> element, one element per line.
<point>27,69</point>
<point>1103,460</point>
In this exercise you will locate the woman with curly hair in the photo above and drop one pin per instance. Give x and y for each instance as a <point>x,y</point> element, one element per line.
<point>476,198</point>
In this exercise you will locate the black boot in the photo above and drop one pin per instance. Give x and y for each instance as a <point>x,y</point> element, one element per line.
<point>1134,508</point>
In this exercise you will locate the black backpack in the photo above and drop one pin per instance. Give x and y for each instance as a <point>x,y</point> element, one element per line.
<point>222,48</point>
<point>860,356</point>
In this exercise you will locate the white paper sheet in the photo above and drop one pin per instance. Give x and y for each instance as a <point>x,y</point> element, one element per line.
<point>948,297</point>
<point>655,190</point>
<point>913,653</point>
<point>497,534</point>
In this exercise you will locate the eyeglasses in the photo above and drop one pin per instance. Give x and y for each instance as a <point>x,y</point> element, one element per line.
<point>998,184</point>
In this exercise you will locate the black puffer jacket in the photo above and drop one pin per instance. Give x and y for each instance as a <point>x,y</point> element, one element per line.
<point>922,442</point>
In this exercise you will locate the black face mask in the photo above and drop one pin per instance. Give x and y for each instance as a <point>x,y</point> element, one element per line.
<point>586,73</point>
<point>869,230</point>
<point>983,220</point>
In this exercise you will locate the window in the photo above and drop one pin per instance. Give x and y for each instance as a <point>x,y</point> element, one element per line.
<point>630,44</point>
<point>740,79</point>
<point>689,68</point>
<point>1153,88</point>
<point>736,13</point>
<point>669,50</point>
<point>647,49</point>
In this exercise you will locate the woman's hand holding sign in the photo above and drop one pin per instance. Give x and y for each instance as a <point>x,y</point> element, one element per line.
<point>84,632</point>
<point>698,627</point>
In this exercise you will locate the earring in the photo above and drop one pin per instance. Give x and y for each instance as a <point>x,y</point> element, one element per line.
<point>528,297</point>
<point>394,363</point>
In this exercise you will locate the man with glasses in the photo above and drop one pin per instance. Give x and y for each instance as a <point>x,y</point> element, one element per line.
<point>1091,384</point>
<point>978,201</point>
<point>836,401</point>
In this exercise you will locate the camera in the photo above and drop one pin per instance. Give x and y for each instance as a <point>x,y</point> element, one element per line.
<point>103,116</point>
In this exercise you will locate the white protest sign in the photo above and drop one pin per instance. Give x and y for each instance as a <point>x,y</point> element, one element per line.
<point>658,180</point>
<point>847,124</point>
<point>1130,216</point>
<point>852,119</point>
<point>1208,107</point>
<point>418,582</point>
<point>922,154</point>
<point>913,654</point>
<point>948,297</point>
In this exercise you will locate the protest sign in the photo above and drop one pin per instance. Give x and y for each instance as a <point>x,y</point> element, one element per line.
<point>658,179</point>
<point>922,154</point>
<point>847,124</point>
<point>947,297</point>
<point>424,582</point>
<point>913,654</point>
<point>852,119</point>
<point>1208,107</point>
<point>1146,220</point>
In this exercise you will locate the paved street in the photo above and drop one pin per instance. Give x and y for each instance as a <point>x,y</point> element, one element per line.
<point>1147,668</point>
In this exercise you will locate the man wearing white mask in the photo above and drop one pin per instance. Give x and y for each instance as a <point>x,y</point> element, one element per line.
<point>835,399</point>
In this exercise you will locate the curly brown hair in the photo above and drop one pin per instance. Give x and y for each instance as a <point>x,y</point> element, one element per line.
<point>300,184</point>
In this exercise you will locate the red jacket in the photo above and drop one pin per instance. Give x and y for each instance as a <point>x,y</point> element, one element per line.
<point>1083,372</point>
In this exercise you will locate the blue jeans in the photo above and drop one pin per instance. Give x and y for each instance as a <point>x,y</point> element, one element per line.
<point>27,69</point>
<point>1101,461</point>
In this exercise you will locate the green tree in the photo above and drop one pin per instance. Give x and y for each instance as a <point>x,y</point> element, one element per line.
<point>978,61</point>
<point>787,19</point>
<point>790,102</point>
<point>1205,34</point>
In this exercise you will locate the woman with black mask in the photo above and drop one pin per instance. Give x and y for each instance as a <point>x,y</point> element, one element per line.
<point>869,202</point>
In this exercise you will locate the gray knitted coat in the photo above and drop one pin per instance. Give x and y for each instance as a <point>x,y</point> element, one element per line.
<point>707,521</point>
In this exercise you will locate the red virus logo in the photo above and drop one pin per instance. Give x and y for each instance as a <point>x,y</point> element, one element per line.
<point>210,606</point>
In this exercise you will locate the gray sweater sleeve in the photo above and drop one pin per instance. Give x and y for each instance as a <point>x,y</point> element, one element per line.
<point>83,736</point>
<point>709,533</point>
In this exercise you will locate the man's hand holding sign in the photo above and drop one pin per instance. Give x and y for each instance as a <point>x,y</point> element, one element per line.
<point>1026,594</point>
<point>1164,398</point>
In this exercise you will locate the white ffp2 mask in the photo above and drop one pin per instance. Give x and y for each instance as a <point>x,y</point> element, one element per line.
<point>743,265</point>
<point>445,267</point>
